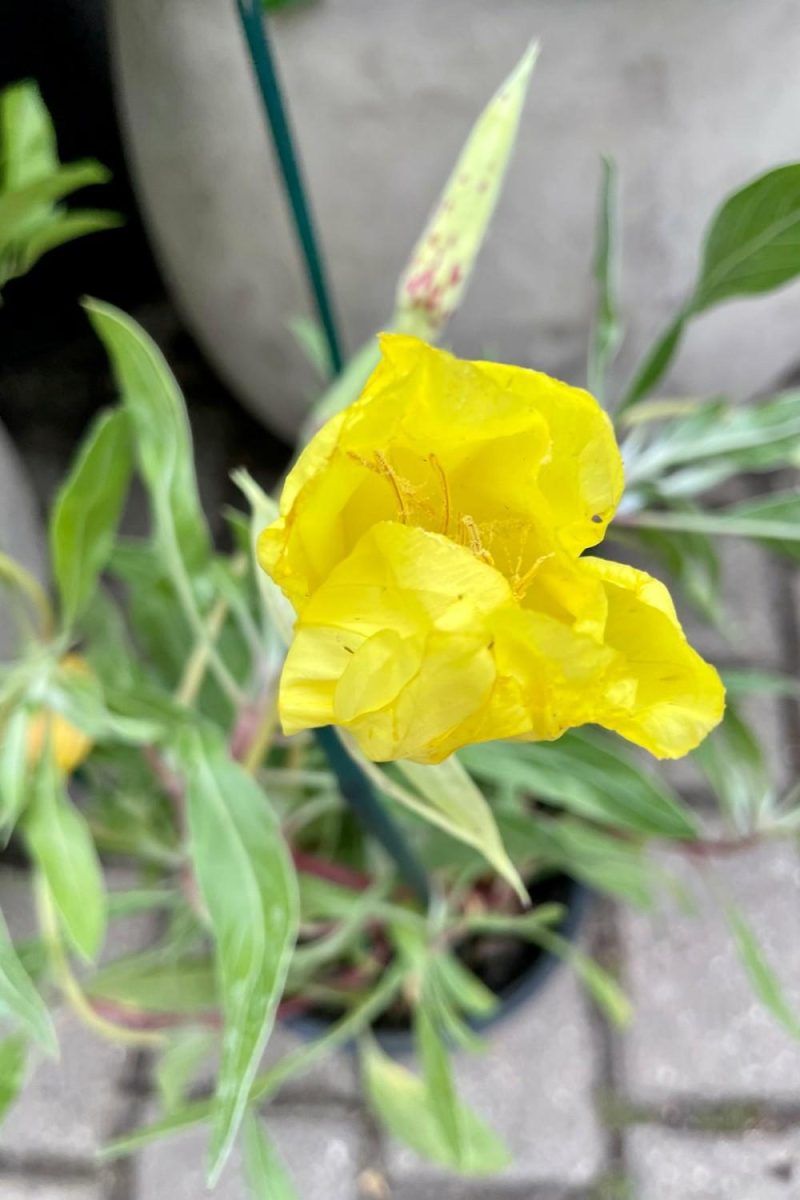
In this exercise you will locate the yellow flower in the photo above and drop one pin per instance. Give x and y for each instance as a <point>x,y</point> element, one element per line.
<point>431,540</point>
<point>69,746</point>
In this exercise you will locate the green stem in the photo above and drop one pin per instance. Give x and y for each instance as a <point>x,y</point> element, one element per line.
<point>254,27</point>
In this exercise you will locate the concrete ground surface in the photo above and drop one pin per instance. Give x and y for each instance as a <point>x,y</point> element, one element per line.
<point>697,1099</point>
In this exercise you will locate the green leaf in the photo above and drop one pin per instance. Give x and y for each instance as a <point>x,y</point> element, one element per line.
<point>12,1071</point>
<point>446,796</point>
<point>247,881</point>
<point>19,998</point>
<point>655,364</point>
<point>589,774</point>
<point>179,1064</point>
<point>32,181</point>
<point>773,519</point>
<point>438,1077</point>
<point>310,337</point>
<point>266,1085</point>
<point>264,511</point>
<point>733,761</point>
<point>606,992</point>
<point>87,511</point>
<point>751,247</point>
<point>713,442</point>
<point>266,1174</point>
<point>13,768</point>
<point>157,412</point>
<point>402,1103</point>
<point>744,681</point>
<point>148,982</point>
<point>64,227</point>
<point>763,979</point>
<point>606,331</point>
<point>602,860</point>
<point>79,698</point>
<point>61,846</point>
<point>27,139</point>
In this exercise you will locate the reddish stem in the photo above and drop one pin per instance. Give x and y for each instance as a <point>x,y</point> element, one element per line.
<point>710,847</point>
<point>348,877</point>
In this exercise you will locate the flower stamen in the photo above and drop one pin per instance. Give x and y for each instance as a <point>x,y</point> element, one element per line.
<point>439,470</point>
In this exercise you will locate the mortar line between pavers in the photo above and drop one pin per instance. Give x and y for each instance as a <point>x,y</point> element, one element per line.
<point>120,1176</point>
<point>605,945</point>
<point>710,1118</point>
<point>48,1169</point>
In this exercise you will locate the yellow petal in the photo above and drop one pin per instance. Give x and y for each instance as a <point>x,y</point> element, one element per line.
<point>667,697</point>
<point>506,461</point>
<point>396,644</point>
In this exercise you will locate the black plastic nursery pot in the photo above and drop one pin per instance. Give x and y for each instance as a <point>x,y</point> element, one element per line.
<point>531,972</point>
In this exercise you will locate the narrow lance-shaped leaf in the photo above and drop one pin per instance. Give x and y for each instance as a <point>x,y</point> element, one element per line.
<point>66,227</point>
<point>264,511</point>
<point>733,761</point>
<point>87,510</point>
<point>773,519</point>
<point>438,1076</point>
<point>27,140</point>
<point>752,246</point>
<point>179,1064</point>
<point>590,774</point>
<point>12,1071</point>
<point>61,846</point>
<point>446,796</point>
<point>266,1174</point>
<point>604,989</point>
<point>19,999</point>
<point>13,768</point>
<point>606,331</point>
<point>161,431</point>
<point>249,887</point>
<point>402,1103</point>
<point>763,979</point>
<point>342,1032</point>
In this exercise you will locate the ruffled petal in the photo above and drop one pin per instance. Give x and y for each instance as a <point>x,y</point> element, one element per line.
<point>671,697</point>
<point>505,461</point>
<point>396,645</point>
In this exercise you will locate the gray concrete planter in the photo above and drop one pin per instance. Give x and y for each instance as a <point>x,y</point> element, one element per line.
<point>21,532</point>
<point>691,96</point>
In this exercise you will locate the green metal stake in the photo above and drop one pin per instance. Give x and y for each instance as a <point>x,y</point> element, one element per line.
<point>254,27</point>
<point>353,784</point>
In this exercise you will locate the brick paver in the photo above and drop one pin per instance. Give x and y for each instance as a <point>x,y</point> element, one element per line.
<point>666,1165</point>
<point>323,1151</point>
<point>699,1032</point>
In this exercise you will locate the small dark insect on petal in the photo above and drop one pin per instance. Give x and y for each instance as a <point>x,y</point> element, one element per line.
<point>598,520</point>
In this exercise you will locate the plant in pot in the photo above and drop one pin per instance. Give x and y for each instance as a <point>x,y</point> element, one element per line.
<point>356,757</point>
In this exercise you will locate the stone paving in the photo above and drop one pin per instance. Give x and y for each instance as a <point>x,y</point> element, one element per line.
<point>698,1099</point>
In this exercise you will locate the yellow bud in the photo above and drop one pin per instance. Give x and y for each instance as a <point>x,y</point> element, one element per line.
<point>69,746</point>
